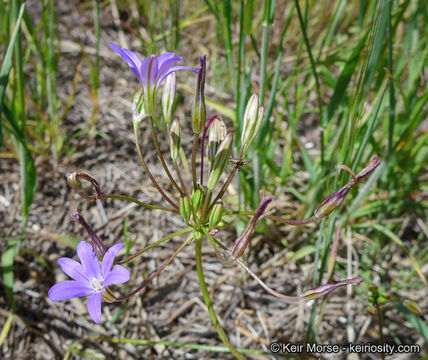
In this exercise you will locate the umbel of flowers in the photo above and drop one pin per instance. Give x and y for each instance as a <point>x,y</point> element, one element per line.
<point>199,201</point>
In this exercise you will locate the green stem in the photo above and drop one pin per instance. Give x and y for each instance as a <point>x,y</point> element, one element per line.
<point>317,83</point>
<point>143,163</point>
<point>209,304</point>
<point>165,167</point>
<point>276,218</point>
<point>194,150</point>
<point>132,257</point>
<point>131,199</point>
<point>180,179</point>
<point>224,188</point>
<point>149,280</point>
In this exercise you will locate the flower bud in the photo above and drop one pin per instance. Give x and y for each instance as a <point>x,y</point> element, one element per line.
<point>175,139</point>
<point>371,310</point>
<point>332,202</point>
<point>324,289</point>
<point>253,118</point>
<point>197,198</point>
<point>199,110</point>
<point>185,208</point>
<point>243,240</point>
<point>168,97</point>
<point>218,132</point>
<point>413,307</point>
<point>381,300</point>
<point>138,112</point>
<point>216,213</point>
<point>220,161</point>
<point>74,180</point>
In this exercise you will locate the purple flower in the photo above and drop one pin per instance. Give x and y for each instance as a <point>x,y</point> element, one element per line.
<point>151,71</point>
<point>89,278</point>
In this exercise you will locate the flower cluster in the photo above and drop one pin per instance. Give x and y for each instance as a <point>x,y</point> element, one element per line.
<point>200,197</point>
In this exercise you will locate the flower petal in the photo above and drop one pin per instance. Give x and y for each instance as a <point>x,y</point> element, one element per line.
<point>73,269</point>
<point>118,275</point>
<point>94,306</point>
<point>89,260</point>
<point>148,71</point>
<point>133,60</point>
<point>109,258</point>
<point>165,57</point>
<point>69,289</point>
<point>174,69</point>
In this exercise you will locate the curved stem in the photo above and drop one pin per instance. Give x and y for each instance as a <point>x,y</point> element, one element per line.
<point>224,187</point>
<point>165,167</point>
<point>132,257</point>
<point>276,218</point>
<point>154,182</point>
<point>287,298</point>
<point>209,304</point>
<point>180,179</point>
<point>131,199</point>
<point>149,280</point>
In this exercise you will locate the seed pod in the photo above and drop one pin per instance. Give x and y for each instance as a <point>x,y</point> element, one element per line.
<point>197,198</point>
<point>185,208</point>
<point>332,202</point>
<point>216,214</point>
<point>220,161</point>
<point>175,139</point>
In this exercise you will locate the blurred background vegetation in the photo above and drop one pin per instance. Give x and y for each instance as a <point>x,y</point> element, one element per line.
<point>340,81</point>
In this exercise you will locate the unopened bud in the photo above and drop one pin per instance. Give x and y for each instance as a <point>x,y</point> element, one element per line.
<point>216,214</point>
<point>138,112</point>
<point>74,180</point>
<point>168,97</point>
<point>199,110</point>
<point>197,198</point>
<point>220,161</point>
<point>243,240</point>
<point>175,139</point>
<point>381,300</point>
<point>253,118</point>
<point>185,208</point>
<point>325,289</point>
<point>413,307</point>
<point>332,202</point>
<point>217,133</point>
<point>371,310</point>
<point>335,200</point>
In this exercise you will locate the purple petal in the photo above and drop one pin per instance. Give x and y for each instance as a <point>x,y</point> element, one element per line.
<point>89,260</point>
<point>109,258</point>
<point>165,57</point>
<point>125,53</point>
<point>94,307</point>
<point>118,275</point>
<point>69,289</point>
<point>148,70</point>
<point>168,63</point>
<point>73,269</point>
<point>174,69</point>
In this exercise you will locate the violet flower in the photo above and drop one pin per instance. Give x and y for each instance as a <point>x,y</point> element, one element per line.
<point>89,278</point>
<point>150,72</point>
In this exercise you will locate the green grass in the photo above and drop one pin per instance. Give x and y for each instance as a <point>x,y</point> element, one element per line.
<point>348,74</point>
